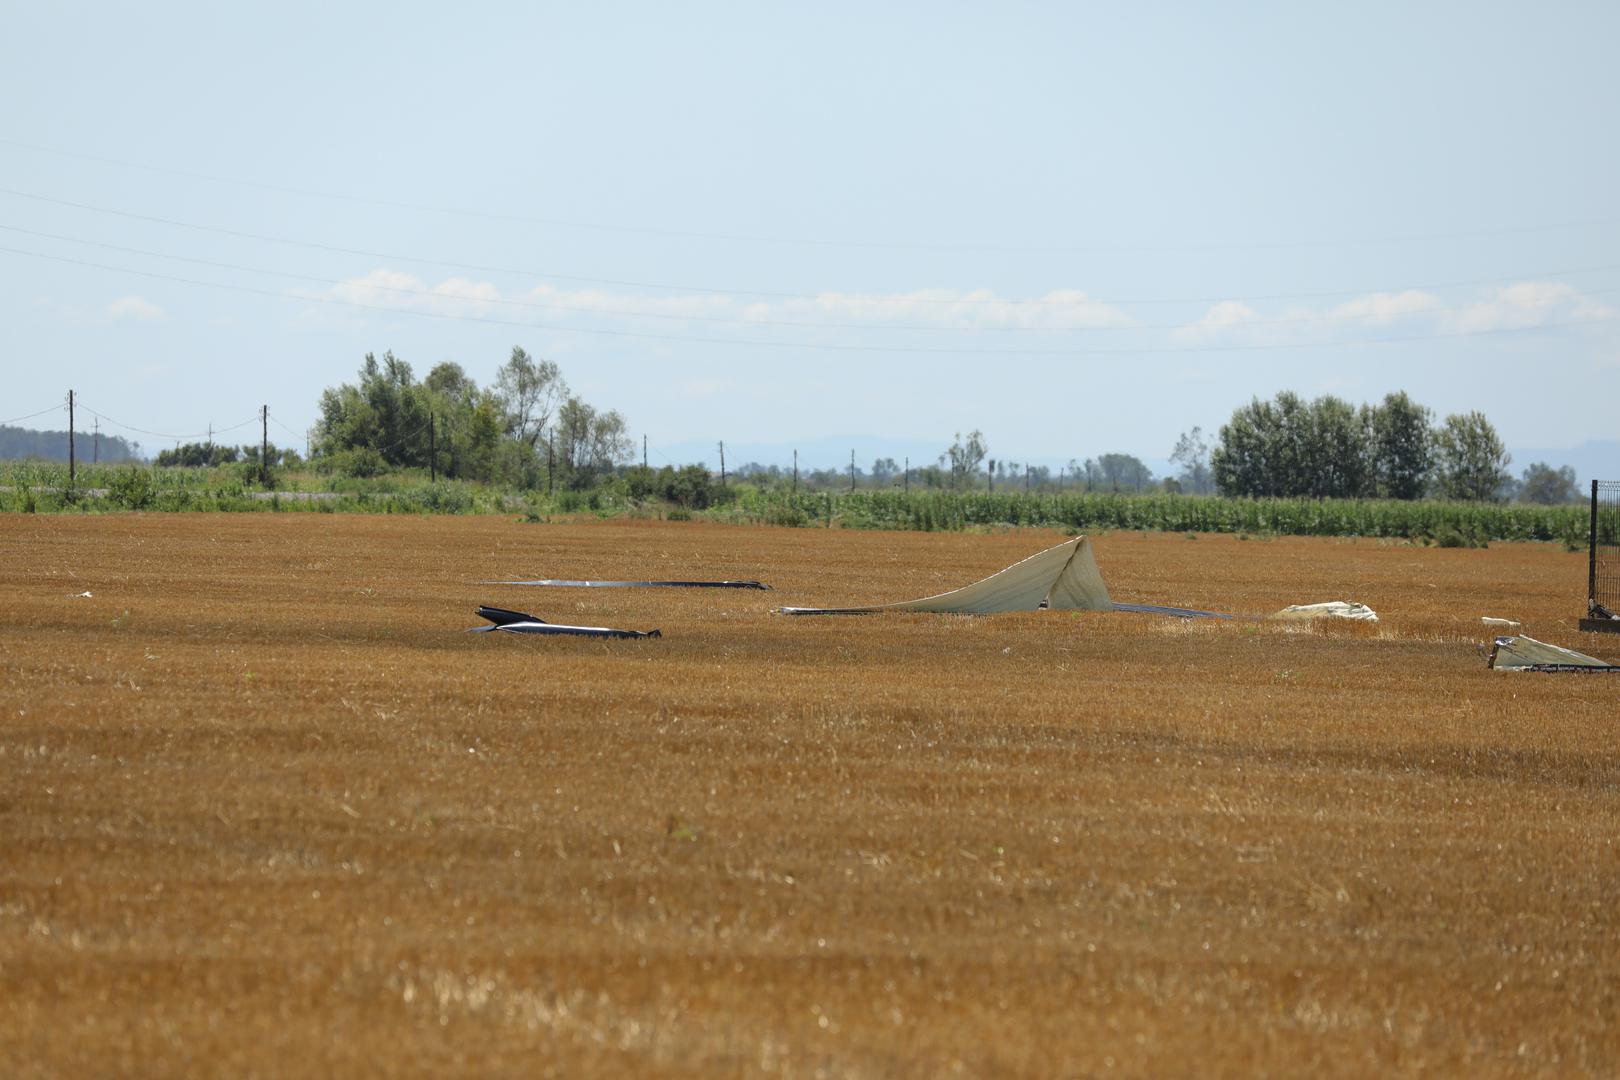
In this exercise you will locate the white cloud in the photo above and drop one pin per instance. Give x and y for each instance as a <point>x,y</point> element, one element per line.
<point>1060,309</point>
<point>1525,304</point>
<point>1383,308</point>
<point>1368,317</point>
<point>394,289</point>
<point>1413,311</point>
<point>1220,318</point>
<point>134,307</point>
<point>927,308</point>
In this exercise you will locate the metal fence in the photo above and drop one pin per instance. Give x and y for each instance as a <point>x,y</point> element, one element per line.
<point>1603,569</point>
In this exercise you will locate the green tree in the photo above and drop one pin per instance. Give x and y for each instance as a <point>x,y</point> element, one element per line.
<point>1401,448</point>
<point>530,391</point>
<point>1192,455</point>
<point>589,443</point>
<point>1471,462</point>
<point>197,455</point>
<point>387,413</point>
<point>1241,461</point>
<point>1333,450</point>
<point>1121,471</point>
<point>963,458</point>
<point>1548,486</point>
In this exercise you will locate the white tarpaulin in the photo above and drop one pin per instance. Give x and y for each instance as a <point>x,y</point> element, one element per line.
<point>1332,609</point>
<point>1064,577</point>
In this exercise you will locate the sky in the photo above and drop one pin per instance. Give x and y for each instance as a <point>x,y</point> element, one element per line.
<point>1078,228</point>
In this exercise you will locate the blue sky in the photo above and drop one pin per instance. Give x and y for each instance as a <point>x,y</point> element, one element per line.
<point>1079,228</point>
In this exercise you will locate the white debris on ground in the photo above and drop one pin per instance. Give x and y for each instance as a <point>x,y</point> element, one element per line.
<point>1332,609</point>
<point>1527,654</point>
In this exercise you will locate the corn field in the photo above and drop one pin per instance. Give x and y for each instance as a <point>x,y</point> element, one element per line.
<point>1463,524</point>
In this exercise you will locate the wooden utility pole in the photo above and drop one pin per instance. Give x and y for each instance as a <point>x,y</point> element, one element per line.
<point>71,463</point>
<point>644,451</point>
<point>722,464</point>
<point>95,444</point>
<point>433,451</point>
<point>264,445</point>
<point>1027,469</point>
<point>852,470</point>
<point>991,473</point>
<point>795,470</point>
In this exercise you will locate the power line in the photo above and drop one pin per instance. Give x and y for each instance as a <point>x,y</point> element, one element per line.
<point>811,346</point>
<point>163,434</point>
<point>30,416</point>
<point>284,427</point>
<point>802,241</point>
<point>252,419</point>
<point>430,294</point>
<point>767,293</point>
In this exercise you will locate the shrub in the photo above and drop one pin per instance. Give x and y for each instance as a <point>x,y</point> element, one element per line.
<point>131,489</point>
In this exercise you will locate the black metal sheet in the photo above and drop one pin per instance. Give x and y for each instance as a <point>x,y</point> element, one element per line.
<point>518,622</point>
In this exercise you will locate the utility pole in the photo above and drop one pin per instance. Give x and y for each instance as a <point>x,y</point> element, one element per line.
<point>1027,469</point>
<point>433,451</point>
<point>991,473</point>
<point>71,463</point>
<point>644,451</point>
<point>907,484</point>
<point>852,470</point>
<point>95,444</point>
<point>264,445</point>
<point>722,464</point>
<point>210,458</point>
<point>795,470</point>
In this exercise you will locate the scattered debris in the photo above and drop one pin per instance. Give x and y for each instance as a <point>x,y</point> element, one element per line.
<point>1063,577</point>
<point>84,595</point>
<point>1332,609</point>
<point>561,583</point>
<point>1173,612</point>
<point>1492,621</point>
<point>1527,654</point>
<point>517,622</point>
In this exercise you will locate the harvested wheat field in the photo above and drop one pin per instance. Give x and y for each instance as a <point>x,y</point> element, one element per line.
<point>266,810</point>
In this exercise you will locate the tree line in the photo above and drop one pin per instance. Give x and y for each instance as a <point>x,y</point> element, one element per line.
<point>18,443</point>
<point>528,430</point>
<point>1330,449</point>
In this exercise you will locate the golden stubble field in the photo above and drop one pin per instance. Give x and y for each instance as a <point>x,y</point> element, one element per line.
<point>265,810</point>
